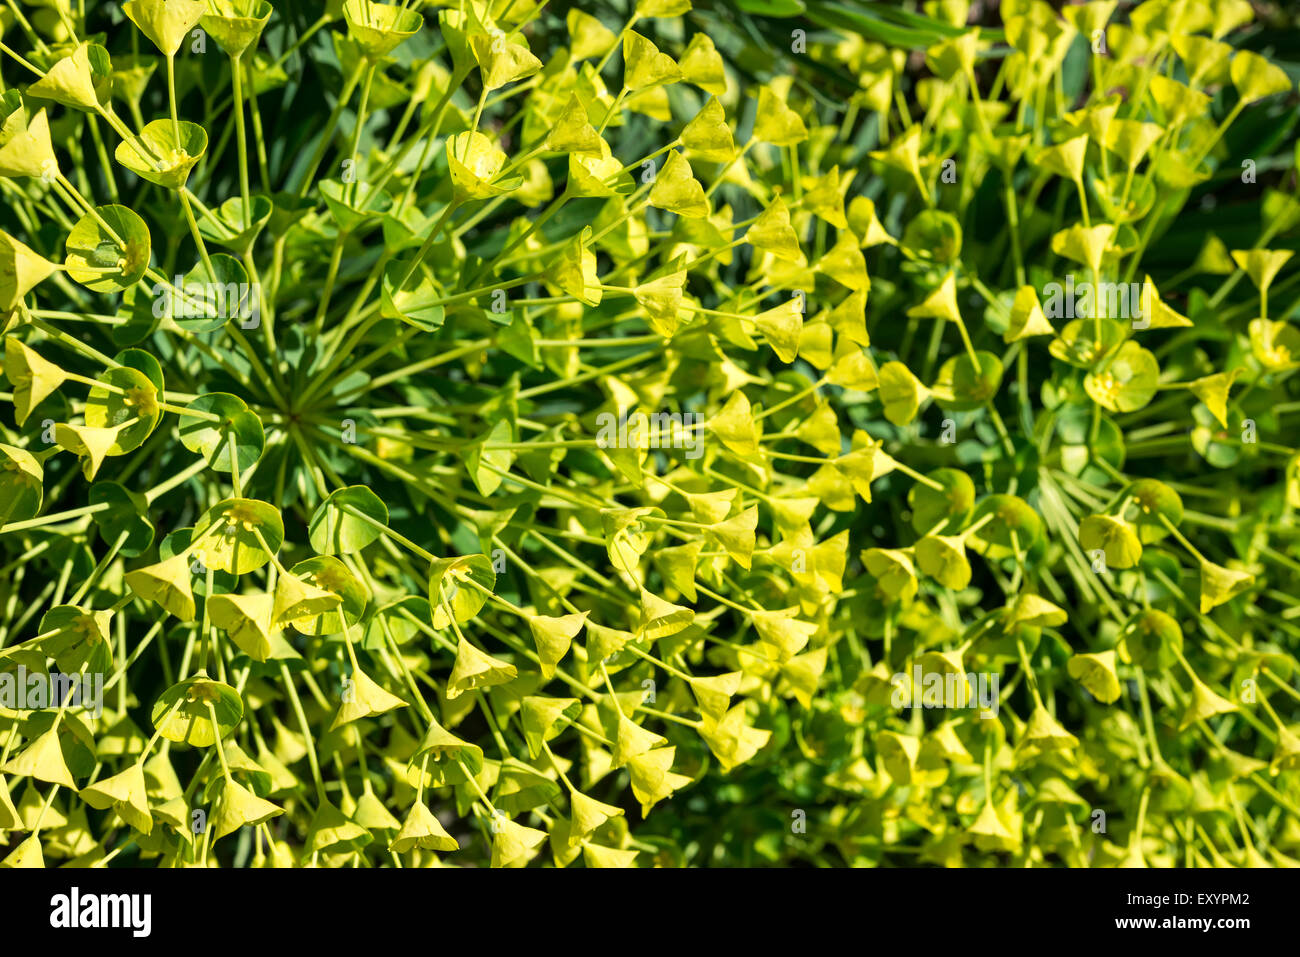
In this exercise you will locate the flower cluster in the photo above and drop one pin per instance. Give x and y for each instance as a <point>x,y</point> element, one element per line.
<point>772,432</point>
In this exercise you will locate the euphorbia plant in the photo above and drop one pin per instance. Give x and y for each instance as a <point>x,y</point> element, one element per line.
<point>324,336</point>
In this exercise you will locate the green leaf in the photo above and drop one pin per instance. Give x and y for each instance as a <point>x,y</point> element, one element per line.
<point>162,154</point>
<point>337,529</point>
<point>124,518</point>
<point>451,594</point>
<point>236,426</point>
<point>234,535</point>
<point>205,301</point>
<point>181,713</point>
<point>412,295</point>
<point>108,249</point>
<point>962,385</point>
<point>333,576</point>
<point>131,408</point>
<point>21,484</point>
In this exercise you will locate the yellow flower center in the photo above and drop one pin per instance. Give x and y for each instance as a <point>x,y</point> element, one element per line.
<point>1107,385</point>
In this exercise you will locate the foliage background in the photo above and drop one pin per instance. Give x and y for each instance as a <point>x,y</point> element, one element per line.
<point>813,759</point>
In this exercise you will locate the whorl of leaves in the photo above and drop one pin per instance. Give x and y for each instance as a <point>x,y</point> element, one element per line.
<point>500,432</point>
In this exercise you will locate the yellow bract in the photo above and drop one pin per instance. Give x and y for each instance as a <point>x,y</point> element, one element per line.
<point>677,190</point>
<point>708,135</point>
<point>380,27</point>
<point>1064,159</point>
<point>25,146</point>
<point>475,163</point>
<point>644,65</point>
<point>503,61</point>
<point>1255,78</point>
<point>70,80</point>
<point>776,123</point>
<point>940,304</point>
<point>573,132</point>
<point>21,270</point>
<point>702,65</point>
<point>588,37</point>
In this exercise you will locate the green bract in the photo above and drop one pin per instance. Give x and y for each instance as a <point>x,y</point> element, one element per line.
<point>164,153</point>
<point>108,249</point>
<point>502,434</point>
